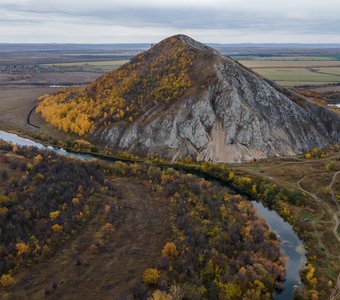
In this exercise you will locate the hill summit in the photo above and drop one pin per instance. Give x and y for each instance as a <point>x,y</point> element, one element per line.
<point>182,98</point>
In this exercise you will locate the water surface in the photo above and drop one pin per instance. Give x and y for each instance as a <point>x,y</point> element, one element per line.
<point>291,245</point>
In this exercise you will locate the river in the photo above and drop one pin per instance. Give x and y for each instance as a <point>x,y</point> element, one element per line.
<point>291,245</point>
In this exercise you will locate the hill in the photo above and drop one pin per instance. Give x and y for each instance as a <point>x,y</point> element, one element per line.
<point>126,231</point>
<point>182,98</point>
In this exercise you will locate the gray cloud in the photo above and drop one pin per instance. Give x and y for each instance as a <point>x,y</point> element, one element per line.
<point>129,21</point>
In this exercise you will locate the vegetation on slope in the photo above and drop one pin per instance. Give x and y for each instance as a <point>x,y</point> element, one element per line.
<point>271,181</point>
<point>44,200</point>
<point>218,248</point>
<point>160,75</point>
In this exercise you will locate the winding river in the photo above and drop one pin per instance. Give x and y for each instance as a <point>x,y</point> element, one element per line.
<point>291,245</point>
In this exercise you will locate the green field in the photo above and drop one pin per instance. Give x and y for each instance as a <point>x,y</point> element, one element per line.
<point>287,71</point>
<point>106,65</point>
<point>296,71</point>
<point>287,58</point>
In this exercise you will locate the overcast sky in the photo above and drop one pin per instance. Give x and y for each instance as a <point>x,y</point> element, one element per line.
<point>125,21</point>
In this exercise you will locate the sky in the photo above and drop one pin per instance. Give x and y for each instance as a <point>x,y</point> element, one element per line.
<point>149,21</point>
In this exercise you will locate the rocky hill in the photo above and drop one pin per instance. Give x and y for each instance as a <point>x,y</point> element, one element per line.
<point>182,98</point>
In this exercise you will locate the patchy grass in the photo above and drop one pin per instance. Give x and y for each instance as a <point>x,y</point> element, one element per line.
<point>313,176</point>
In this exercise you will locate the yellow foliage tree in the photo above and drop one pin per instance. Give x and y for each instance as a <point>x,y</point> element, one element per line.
<point>54,214</point>
<point>159,295</point>
<point>151,276</point>
<point>38,158</point>
<point>22,248</point>
<point>170,250</point>
<point>6,280</point>
<point>57,228</point>
<point>75,201</point>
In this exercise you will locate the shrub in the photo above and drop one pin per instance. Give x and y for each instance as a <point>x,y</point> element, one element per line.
<point>107,229</point>
<point>330,166</point>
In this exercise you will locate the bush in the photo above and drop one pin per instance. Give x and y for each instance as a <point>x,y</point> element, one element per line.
<point>331,166</point>
<point>308,155</point>
<point>107,230</point>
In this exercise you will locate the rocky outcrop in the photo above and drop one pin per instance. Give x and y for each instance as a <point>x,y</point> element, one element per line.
<point>234,116</point>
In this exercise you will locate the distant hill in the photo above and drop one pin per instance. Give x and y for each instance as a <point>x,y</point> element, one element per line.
<point>182,98</point>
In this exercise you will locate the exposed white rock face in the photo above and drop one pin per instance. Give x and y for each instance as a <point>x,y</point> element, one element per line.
<point>239,117</point>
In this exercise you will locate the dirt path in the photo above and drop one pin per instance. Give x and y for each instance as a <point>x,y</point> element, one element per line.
<point>335,294</point>
<point>141,228</point>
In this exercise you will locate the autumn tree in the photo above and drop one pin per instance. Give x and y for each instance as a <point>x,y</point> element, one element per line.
<point>151,276</point>
<point>170,251</point>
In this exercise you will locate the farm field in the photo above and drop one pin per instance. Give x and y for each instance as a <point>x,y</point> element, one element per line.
<point>286,70</point>
<point>288,58</point>
<point>103,65</point>
<point>296,71</point>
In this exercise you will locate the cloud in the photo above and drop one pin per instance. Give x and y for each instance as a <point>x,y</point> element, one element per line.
<point>228,21</point>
